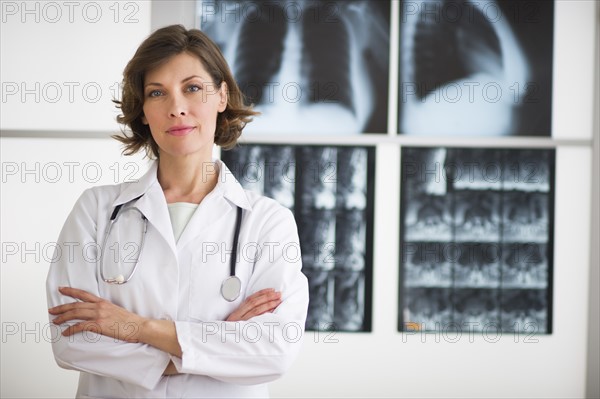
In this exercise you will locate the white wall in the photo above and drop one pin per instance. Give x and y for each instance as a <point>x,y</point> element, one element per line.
<point>593,364</point>
<point>384,363</point>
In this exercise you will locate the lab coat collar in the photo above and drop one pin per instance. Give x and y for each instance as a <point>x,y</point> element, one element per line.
<point>153,203</point>
<point>227,186</point>
<point>230,188</point>
<point>135,189</point>
<point>150,201</point>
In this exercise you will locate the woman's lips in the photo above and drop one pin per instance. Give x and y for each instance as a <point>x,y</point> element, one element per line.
<point>181,130</point>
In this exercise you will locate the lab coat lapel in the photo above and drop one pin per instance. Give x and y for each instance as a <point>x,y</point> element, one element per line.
<point>232,189</point>
<point>152,203</point>
<point>154,206</point>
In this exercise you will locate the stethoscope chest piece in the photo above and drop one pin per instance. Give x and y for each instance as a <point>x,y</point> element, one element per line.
<point>231,288</point>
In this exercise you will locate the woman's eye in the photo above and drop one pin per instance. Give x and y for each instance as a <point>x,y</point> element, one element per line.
<point>154,93</point>
<point>193,88</point>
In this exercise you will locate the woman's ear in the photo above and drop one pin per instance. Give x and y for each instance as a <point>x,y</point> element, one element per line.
<point>222,97</point>
<point>144,120</point>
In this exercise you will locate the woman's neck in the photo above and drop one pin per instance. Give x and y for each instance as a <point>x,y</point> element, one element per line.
<point>187,180</point>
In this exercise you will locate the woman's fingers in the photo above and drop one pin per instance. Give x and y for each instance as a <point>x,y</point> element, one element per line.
<point>261,309</point>
<point>96,314</point>
<point>79,294</point>
<point>60,309</point>
<point>260,302</point>
<point>80,313</point>
<point>86,310</point>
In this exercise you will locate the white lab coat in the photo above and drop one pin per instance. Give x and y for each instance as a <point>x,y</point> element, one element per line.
<point>181,282</point>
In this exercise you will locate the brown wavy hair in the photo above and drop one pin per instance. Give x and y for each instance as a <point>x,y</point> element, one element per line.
<point>156,50</point>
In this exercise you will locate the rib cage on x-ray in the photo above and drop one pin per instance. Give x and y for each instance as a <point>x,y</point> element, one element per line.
<point>475,68</point>
<point>326,57</point>
<point>309,66</point>
<point>260,50</point>
<point>441,48</point>
<point>325,53</point>
<point>476,239</point>
<point>330,191</point>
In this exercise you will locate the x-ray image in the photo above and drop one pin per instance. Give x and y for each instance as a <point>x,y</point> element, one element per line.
<point>320,312</point>
<point>477,223</point>
<point>428,218</point>
<point>279,178</point>
<point>475,309</point>
<point>351,179</point>
<point>526,170</point>
<point>477,265</point>
<point>349,301</point>
<point>475,169</point>
<point>319,176</point>
<point>477,216</point>
<point>476,67</point>
<point>525,216</point>
<point>268,171</point>
<point>426,172</point>
<point>317,238</point>
<point>427,264</point>
<point>310,66</point>
<point>525,265</point>
<point>427,309</point>
<point>351,239</point>
<point>331,190</point>
<point>249,169</point>
<point>524,311</point>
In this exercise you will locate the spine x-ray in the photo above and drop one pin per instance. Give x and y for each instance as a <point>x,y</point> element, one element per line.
<point>330,190</point>
<point>475,67</point>
<point>476,242</point>
<point>310,67</point>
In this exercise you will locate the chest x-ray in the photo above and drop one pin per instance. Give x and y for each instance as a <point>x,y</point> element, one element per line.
<point>310,67</point>
<point>475,67</point>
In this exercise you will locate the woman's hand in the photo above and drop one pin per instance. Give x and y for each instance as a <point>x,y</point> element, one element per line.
<point>98,315</point>
<point>260,302</point>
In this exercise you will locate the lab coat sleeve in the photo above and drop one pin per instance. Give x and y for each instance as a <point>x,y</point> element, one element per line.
<point>74,265</point>
<point>261,349</point>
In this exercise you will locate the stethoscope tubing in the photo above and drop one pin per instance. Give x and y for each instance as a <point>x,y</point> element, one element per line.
<point>233,260</point>
<point>236,237</point>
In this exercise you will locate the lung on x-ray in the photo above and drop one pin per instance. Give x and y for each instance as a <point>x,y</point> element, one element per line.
<point>310,67</point>
<point>475,67</point>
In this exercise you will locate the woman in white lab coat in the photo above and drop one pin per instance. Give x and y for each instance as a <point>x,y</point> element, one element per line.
<point>163,327</point>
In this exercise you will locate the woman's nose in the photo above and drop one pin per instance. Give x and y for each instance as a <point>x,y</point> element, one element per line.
<point>177,108</point>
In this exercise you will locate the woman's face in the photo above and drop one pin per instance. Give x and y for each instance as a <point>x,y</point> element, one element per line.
<point>181,104</point>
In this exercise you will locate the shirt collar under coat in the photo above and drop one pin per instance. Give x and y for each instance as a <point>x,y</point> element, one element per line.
<point>223,199</point>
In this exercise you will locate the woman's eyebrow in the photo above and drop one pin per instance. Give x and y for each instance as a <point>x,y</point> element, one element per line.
<point>183,81</point>
<point>190,78</point>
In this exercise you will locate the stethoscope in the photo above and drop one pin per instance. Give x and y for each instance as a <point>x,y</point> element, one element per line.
<point>231,287</point>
